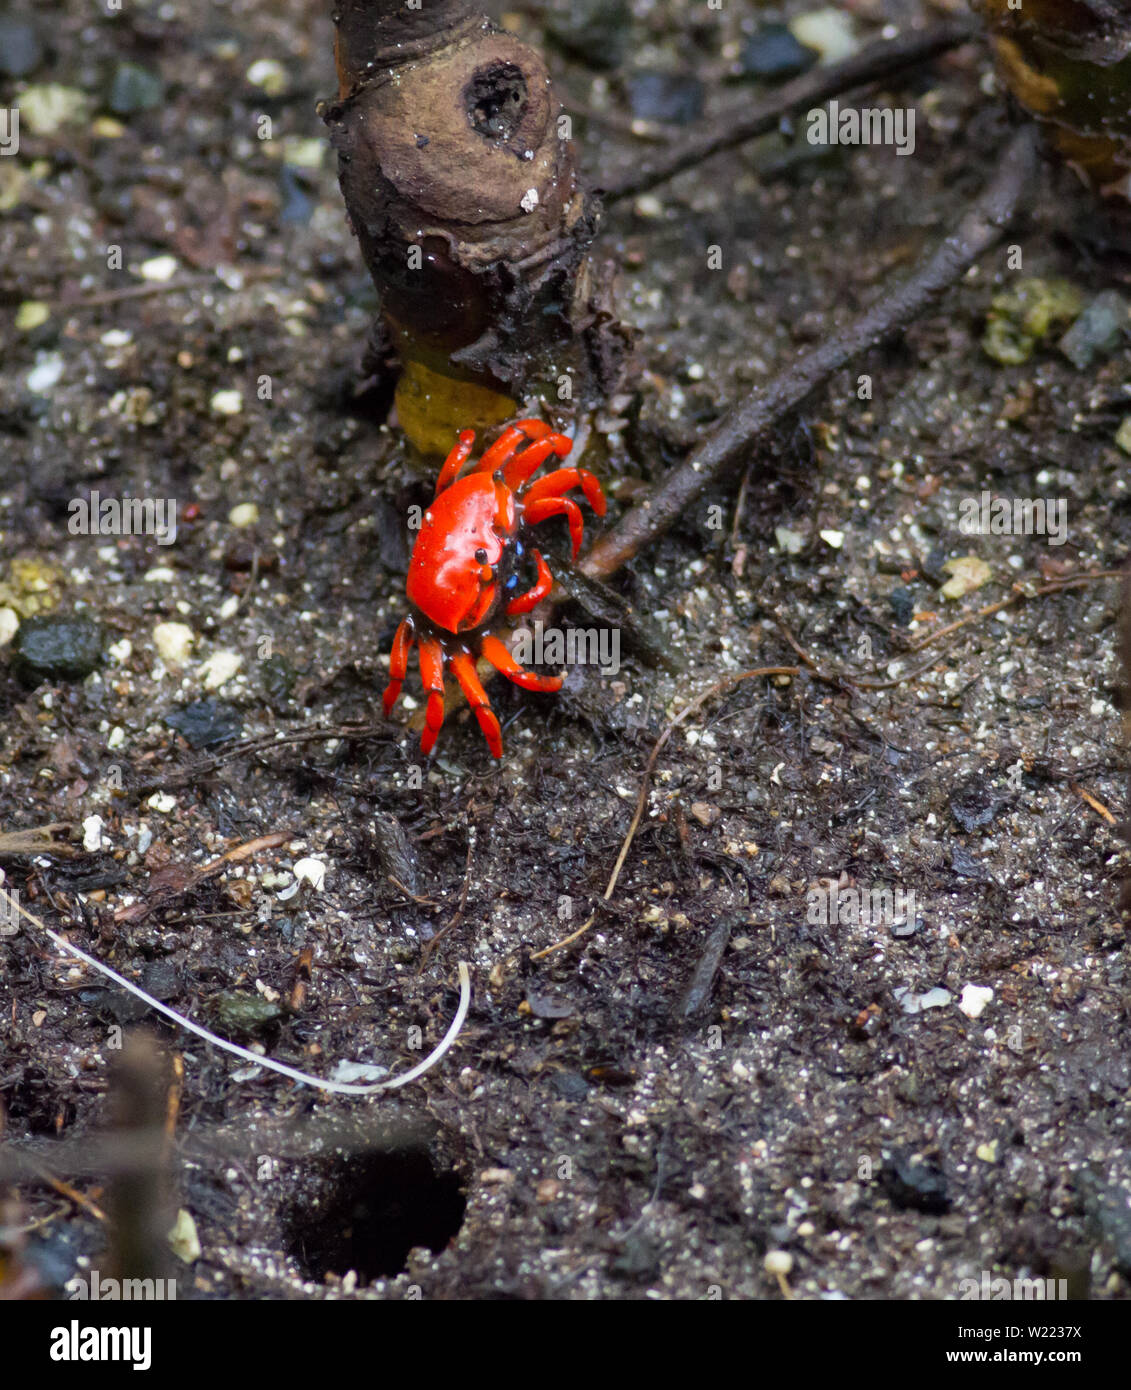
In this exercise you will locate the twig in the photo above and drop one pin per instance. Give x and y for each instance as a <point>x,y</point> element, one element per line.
<point>1096,805</point>
<point>886,58</point>
<point>899,305</point>
<point>1020,593</point>
<point>137,912</point>
<point>642,800</point>
<point>184,776</point>
<point>72,1194</point>
<point>192,282</point>
<point>39,840</point>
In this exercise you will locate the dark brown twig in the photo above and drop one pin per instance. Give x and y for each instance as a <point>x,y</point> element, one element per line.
<point>730,442</point>
<point>886,58</point>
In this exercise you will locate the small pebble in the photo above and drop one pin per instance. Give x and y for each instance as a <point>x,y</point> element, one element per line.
<point>183,1239</point>
<point>974,999</point>
<point>967,573</point>
<point>671,97</point>
<point>912,1003</point>
<point>92,834</point>
<point>831,32</point>
<point>46,373</point>
<point>47,108</point>
<point>21,50</point>
<point>205,722</point>
<point>31,314</point>
<point>244,514</point>
<point>226,403</point>
<point>134,88</point>
<point>1098,331</point>
<point>158,269</point>
<point>774,54</point>
<point>57,647</point>
<point>270,76</point>
<point>174,642</point>
<point>219,668</point>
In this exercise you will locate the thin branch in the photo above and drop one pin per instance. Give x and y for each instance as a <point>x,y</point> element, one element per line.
<point>730,442</point>
<point>878,61</point>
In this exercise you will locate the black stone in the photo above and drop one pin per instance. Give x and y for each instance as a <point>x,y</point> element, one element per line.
<point>670,97</point>
<point>205,722</point>
<point>57,648</point>
<point>774,55</point>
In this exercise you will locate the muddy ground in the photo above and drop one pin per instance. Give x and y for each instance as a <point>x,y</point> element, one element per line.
<point>583,1138</point>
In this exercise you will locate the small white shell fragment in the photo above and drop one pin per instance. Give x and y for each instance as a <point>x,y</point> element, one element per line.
<point>162,802</point>
<point>312,871</point>
<point>912,1003</point>
<point>362,1072</point>
<point>974,999</point>
<point>92,833</point>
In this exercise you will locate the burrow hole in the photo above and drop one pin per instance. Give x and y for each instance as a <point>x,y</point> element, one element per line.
<point>371,1210</point>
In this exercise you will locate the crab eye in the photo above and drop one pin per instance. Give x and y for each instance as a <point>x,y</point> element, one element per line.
<point>481,555</point>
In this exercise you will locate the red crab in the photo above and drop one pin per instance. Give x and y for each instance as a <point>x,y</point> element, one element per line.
<point>467,562</point>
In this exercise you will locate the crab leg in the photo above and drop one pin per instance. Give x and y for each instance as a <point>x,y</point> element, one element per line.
<point>562,480</point>
<point>558,506</point>
<point>455,461</point>
<point>514,435</point>
<point>524,465</point>
<point>523,603</point>
<point>398,664</point>
<point>502,661</point>
<point>464,670</point>
<point>432,678</point>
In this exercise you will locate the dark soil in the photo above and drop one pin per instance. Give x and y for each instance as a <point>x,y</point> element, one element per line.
<point>584,1138</point>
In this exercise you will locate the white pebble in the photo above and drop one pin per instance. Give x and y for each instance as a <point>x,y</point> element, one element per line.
<point>228,402</point>
<point>974,999</point>
<point>219,668</point>
<point>244,514</point>
<point>159,268</point>
<point>174,642</point>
